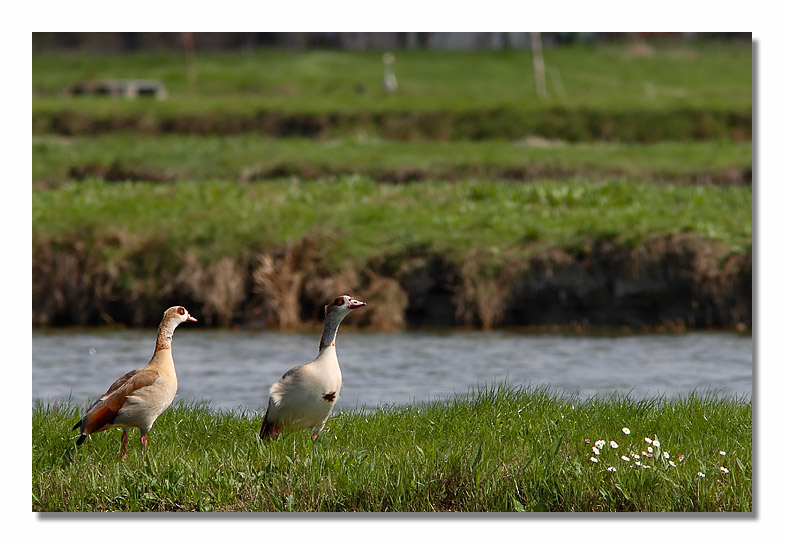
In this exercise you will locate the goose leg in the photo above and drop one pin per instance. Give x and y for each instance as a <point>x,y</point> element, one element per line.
<point>143,442</point>
<point>123,443</point>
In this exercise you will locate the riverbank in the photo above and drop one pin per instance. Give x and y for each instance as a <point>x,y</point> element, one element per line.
<point>477,253</point>
<point>499,449</point>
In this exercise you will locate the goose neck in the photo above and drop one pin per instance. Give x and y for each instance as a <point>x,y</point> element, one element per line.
<point>165,334</point>
<point>330,330</point>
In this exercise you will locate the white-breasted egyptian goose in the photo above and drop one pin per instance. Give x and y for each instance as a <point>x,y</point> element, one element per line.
<point>306,394</point>
<point>137,398</point>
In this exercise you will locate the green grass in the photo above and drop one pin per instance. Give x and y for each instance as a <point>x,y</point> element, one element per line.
<point>684,75</point>
<point>498,449</point>
<point>189,157</point>
<point>355,218</point>
<point>696,90</point>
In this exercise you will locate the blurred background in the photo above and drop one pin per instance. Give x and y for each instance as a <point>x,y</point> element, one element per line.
<point>534,191</point>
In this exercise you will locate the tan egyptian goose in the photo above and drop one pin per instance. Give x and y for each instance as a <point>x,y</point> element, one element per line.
<point>137,398</point>
<point>306,394</point>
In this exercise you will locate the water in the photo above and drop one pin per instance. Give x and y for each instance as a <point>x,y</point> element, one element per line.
<point>234,369</point>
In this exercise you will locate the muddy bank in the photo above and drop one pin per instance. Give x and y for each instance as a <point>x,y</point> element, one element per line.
<point>573,125</point>
<point>669,282</point>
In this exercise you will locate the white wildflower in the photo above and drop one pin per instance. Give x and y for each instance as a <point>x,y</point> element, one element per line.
<point>724,469</point>
<point>655,443</point>
<point>612,469</point>
<point>701,474</point>
<point>722,452</point>
<point>614,444</point>
<point>593,459</point>
<point>625,458</point>
<point>625,431</point>
<point>647,439</point>
<point>666,455</point>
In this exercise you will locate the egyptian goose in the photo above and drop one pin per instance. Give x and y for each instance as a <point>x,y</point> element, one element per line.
<point>137,398</point>
<point>306,394</point>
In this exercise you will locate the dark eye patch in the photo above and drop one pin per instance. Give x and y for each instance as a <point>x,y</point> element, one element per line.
<point>180,311</point>
<point>338,302</point>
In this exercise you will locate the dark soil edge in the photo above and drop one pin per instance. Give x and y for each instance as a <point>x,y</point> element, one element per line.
<point>667,283</point>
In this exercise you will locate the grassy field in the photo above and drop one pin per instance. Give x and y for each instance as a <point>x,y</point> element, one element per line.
<point>498,449</point>
<point>356,218</point>
<point>119,156</point>
<point>694,74</point>
<point>611,92</point>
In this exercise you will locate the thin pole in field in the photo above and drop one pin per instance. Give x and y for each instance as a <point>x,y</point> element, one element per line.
<point>539,65</point>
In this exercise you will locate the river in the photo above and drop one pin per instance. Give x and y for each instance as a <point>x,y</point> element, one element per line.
<point>233,369</point>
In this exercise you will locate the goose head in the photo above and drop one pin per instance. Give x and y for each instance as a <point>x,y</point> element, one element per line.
<point>178,315</point>
<point>343,305</point>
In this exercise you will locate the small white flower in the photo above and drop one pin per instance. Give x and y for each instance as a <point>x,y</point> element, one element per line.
<point>612,469</point>
<point>670,462</point>
<point>636,456</point>
<point>644,466</point>
<point>724,469</point>
<point>593,459</point>
<point>625,458</point>
<point>647,439</point>
<point>701,474</point>
<point>595,450</point>
<point>637,463</point>
<point>722,452</point>
<point>681,457</point>
<point>625,431</point>
<point>649,449</point>
<point>655,443</point>
<point>599,443</point>
<point>666,455</point>
<point>614,444</point>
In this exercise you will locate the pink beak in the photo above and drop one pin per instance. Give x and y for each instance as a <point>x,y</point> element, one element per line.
<point>354,303</point>
<point>190,319</point>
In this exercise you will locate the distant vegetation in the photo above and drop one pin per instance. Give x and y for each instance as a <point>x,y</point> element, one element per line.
<point>498,449</point>
<point>687,75</point>
<point>461,199</point>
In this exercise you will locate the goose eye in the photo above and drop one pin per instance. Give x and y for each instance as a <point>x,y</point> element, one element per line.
<point>180,311</point>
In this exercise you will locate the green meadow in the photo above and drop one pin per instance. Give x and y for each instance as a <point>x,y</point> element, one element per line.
<point>698,74</point>
<point>248,157</point>
<point>498,449</point>
<point>356,218</point>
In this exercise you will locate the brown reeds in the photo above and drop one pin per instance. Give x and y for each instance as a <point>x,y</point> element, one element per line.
<point>670,282</point>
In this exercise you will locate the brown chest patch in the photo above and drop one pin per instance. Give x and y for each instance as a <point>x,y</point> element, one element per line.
<point>329,397</point>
